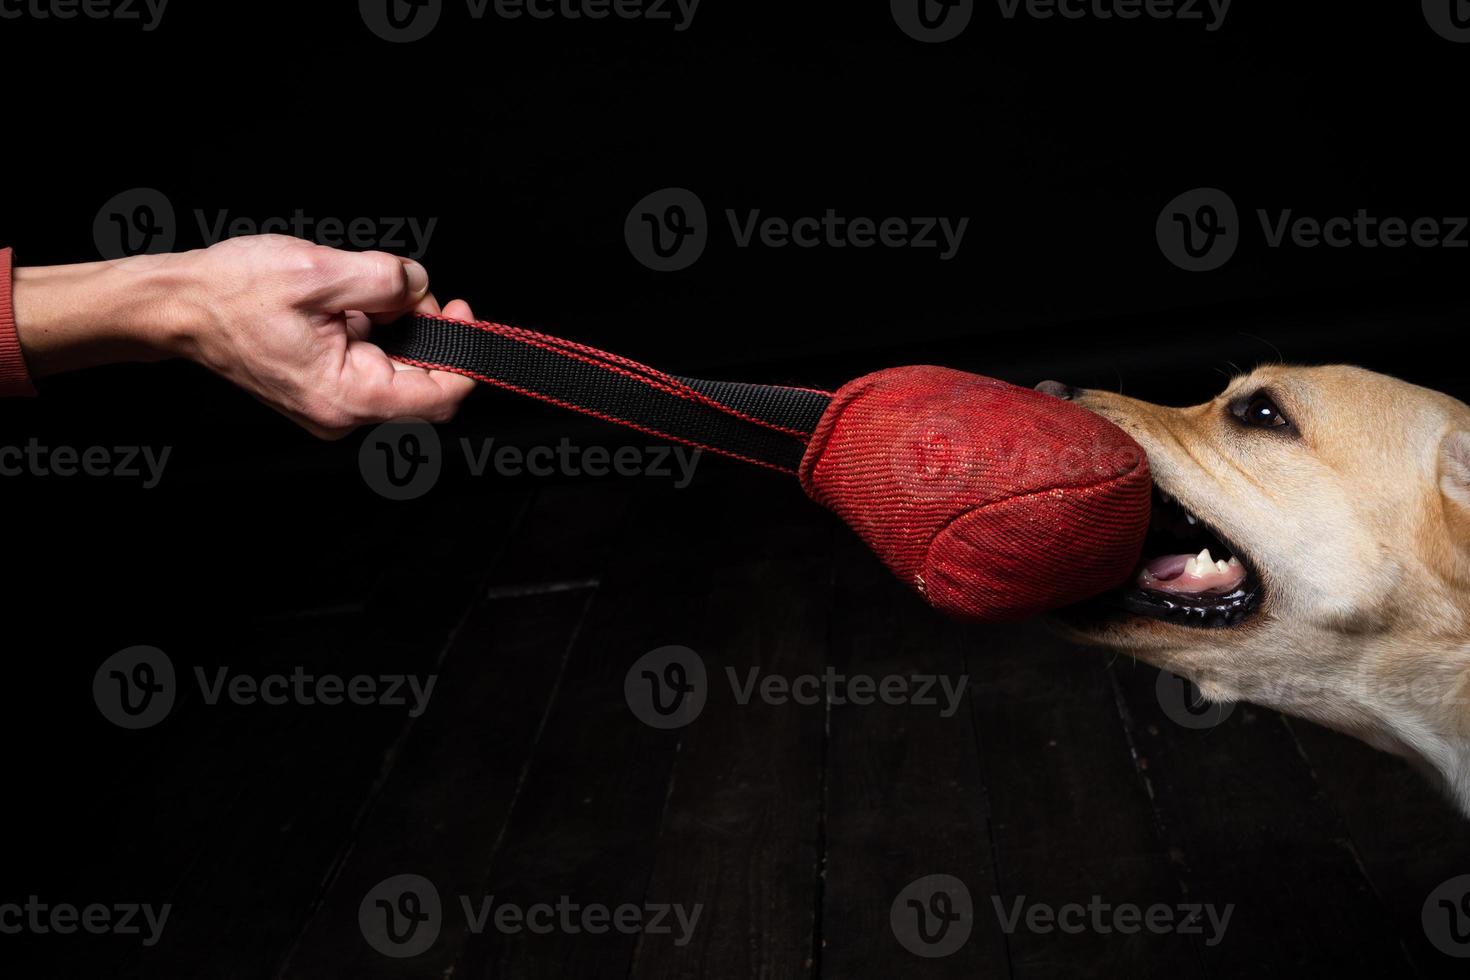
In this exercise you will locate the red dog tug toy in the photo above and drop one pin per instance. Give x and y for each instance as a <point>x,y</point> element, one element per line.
<point>994,502</point>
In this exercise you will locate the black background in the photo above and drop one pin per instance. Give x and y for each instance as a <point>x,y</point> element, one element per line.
<point>529,142</point>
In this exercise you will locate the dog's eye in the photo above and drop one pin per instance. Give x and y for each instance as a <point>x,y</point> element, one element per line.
<point>1259,411</point>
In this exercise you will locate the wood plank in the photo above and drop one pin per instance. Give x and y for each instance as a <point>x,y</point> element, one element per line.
<point>452,784</point>
<point>455,777</point>
<point>233,813</point>
<point>1252,830</point>
<point>586,826</point>
<point>905,794</point>
<point>741,830</point>
<point>1069,817</point>
<point>1409,838</point>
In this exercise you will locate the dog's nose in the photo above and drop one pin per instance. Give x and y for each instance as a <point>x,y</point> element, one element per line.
<point>1058,390</point>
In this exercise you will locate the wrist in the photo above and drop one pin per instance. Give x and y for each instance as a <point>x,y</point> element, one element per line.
<point>76,316</point>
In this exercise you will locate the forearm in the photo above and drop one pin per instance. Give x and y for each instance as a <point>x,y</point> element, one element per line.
<point>286,320</point>
<point>75,316</point>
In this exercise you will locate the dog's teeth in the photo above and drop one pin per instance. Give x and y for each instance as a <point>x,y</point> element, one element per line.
<point>1191,518</point>
<point>1221,566</point>
<point>1191,567</point>
<point>1233,562</point>
<point>1204,559</point>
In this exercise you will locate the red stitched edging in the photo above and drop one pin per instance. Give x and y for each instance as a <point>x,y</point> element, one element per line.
<point>588,411</point>
<point>652,377</point>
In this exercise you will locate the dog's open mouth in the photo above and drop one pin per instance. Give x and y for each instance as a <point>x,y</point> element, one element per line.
<point>1189,574</point>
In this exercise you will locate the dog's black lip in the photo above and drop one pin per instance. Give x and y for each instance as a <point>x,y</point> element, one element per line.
<point>1198,611</point>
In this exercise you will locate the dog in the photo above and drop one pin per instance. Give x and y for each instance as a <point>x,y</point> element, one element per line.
<point>1310,552</point>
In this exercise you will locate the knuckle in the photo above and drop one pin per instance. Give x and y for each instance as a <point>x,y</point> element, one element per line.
<point>385,274</point>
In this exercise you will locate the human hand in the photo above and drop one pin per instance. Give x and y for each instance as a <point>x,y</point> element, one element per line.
<point>285,319</point>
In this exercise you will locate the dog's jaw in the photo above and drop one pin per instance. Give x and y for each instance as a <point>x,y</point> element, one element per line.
<point>1365,623</point>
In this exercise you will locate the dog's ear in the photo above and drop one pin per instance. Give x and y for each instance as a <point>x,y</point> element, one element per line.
<point>1454,477</point>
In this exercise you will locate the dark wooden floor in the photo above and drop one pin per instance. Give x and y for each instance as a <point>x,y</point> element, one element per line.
<point>792,827</point>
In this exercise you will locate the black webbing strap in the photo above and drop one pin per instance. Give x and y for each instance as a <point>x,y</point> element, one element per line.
<point>763,424</point>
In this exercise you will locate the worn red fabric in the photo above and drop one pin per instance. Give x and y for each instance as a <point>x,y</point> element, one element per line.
<point>14,378</point>
<point>994,502</point>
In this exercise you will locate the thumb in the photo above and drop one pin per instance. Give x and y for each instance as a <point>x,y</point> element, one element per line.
<point>373,282</point>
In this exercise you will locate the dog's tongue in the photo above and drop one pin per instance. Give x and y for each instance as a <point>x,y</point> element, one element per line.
<point>1191,574</point>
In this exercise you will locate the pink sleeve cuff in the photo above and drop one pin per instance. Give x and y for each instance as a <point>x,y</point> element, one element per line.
<point>15,380</point>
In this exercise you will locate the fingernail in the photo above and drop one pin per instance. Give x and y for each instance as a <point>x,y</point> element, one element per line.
<point>418,278</point>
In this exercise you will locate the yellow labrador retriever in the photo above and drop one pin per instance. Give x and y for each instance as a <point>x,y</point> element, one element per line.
<point>1310,551</point>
